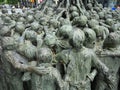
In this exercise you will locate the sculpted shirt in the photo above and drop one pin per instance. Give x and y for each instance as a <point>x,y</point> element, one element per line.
<point>79,63</point>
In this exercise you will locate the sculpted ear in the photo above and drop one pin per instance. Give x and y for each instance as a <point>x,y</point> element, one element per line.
<point>93,43</point>
<point>86,35</point>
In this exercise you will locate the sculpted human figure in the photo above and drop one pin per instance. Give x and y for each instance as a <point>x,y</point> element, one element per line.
<point>78,63</point>
<point>12,76</point>
<point>51,81</point>
<point>63,34</point>
<point>90,38</point>
<point>9,22</point>
<point>7,26</point>
<point>110,56</point>
<point>46,78</point>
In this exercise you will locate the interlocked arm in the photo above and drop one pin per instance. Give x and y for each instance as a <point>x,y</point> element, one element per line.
<point>24,67</point>
<point>38,70</point>
<point>102,68</point>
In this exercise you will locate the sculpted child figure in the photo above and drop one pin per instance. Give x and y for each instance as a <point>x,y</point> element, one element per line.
<point>110,56</point>
<point>50,81</point>
<point>43,75</point>
<point>78,63</point>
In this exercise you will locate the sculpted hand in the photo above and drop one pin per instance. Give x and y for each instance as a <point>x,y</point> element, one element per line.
<point>67,79</point>
<point>39,70</point>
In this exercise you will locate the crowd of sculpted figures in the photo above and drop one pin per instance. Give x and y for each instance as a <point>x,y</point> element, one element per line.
<point>61,45</point>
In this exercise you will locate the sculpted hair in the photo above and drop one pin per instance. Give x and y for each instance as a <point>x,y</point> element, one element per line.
<point>90,34</point>
<point>78,38</point>
<point>113,40</point>
<point>44,55</point>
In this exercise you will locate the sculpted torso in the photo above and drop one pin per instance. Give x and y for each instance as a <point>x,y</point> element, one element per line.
<point>79,65</point>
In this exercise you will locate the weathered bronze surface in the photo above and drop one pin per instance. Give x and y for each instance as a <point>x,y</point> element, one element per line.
<point>60,45</point>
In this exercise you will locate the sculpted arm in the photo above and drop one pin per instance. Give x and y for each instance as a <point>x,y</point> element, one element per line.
<point>24,67</point>
<point>92,75</point>
<point>98,64</point>
<point>38,70</point>
<point>102,68</point>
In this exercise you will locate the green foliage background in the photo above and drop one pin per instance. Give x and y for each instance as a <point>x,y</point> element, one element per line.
<point>8,1</point>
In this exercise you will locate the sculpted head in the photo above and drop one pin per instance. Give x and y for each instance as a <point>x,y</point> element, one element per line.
<point>90,38</point>
<point>9,43</point>
<point>7,19</point>
<point>112,41</point>
<point>44,55</point>
<point>65,31</point>
<point>78,38</point>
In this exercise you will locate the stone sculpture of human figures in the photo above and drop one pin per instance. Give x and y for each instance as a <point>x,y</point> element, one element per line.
<point>110,56</point>
<point>49,77</point>
<point>78,63</point>
<point>50,81</point>
<point>44,75</point>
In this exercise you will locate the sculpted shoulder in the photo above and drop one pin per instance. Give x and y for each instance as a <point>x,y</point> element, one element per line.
<point>87,51</point>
